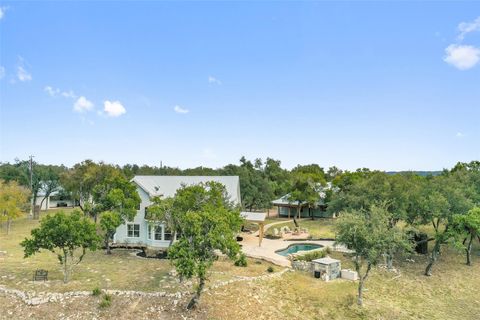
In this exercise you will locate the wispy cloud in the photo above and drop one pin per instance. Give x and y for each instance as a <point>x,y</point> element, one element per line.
<point>2,72</point>
<point>466,27</point>
<point>462,57</point>
<point>56,92</point>
<point>213,80</point>
<point>82,105</point>
<point>52,92</point>
<point>113,108</point>
<point>23,75</point>
<point>459,135</point>
<point>2,12</point>
<point>181,110</point>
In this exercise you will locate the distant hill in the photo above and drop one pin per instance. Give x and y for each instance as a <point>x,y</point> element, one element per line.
<point>420,173</point>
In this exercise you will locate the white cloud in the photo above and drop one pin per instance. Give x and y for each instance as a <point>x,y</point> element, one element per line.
<point>69,94</point>
<point>2,72</point>
<point>460,135</point>
<point>467,27</point>
<point>179,109</point>
<point>53,92</point>
<point>22,74</point>
<point>2,12</point>
<point>462,57</point>
<point>113,108</point>
<point>213,80</point>
<point>82,104</point>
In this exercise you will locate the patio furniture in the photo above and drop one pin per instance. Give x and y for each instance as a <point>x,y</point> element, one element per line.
<point>40,275</point>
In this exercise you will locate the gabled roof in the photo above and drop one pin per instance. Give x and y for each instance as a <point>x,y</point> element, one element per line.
<point>166,186</point>
<point>284,201</point>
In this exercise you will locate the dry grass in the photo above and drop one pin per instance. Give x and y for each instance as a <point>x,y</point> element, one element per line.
<point>121,270</point>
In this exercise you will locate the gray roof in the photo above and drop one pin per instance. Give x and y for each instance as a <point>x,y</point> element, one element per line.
<point>253,216</point>
<point>326,260</point>
<point>166,186</point>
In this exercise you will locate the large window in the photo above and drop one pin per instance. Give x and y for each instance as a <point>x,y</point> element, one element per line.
<point>133,230</point>
<point>158,233</point>
<point>168,234</point>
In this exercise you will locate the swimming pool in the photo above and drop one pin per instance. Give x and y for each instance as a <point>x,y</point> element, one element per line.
<point>294,248</point>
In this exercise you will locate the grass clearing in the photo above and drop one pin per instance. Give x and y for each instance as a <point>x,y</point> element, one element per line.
<point>318,228</point>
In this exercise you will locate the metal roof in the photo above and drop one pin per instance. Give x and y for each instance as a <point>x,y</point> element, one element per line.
<point>253,216</point>
<point>167,186</point>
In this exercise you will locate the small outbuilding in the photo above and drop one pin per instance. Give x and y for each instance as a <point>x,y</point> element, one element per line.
<point>326,268</point>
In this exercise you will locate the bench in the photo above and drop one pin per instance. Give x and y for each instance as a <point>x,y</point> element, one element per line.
<point>40,275</point>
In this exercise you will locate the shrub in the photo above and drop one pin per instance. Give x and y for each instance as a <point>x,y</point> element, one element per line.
<point>96,292</point>
<point>328,250</point>
<point>270,269</point>
<point>258,262</point>
<point>241,261</point>
<point>312,255</point>
<point>106,301</point>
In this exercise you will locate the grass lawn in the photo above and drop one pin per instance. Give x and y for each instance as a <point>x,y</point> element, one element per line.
<point>122,270</point>
<point>318,228</point>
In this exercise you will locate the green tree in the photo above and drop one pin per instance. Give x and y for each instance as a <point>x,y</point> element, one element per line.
<point>307,182</point>
<point>161,211</point>
<point>13,200</point>
<point>207,223</point>
<point>68,236</point>
<point>109,222</point>
<point>466,228</point>
<point>368,235</point>
<point>50,181</point>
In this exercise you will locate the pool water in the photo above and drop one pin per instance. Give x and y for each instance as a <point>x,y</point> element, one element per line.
<point>294,248</point>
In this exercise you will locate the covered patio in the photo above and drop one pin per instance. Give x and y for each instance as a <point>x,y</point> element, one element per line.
<point>259,219</point>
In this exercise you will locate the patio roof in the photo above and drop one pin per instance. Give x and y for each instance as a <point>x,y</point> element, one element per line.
<point>253,216</point>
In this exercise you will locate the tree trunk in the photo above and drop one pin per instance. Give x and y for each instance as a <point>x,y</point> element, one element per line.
<point>389,260</point>
<point>107,244</point>
<point>360,292</point>
<point>194,301</point>
<point>433,258</point>
<point>361,284</point>
<point>468,250</point>
<point>9,223</point>
<point>65,267</point>
<point>295,220</point>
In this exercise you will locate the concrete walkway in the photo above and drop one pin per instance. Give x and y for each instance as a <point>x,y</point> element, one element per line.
<point>267,250</point>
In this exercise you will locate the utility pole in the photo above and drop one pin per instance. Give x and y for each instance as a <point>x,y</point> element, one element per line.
<point>31,185</point>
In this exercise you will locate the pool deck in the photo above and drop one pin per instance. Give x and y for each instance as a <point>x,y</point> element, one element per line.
<point>267,250</point>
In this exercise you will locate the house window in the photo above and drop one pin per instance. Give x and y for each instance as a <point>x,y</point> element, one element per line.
<point>133,230</point>
<point>158,233</point>
<point>168,234</point>
<point>149,233</point>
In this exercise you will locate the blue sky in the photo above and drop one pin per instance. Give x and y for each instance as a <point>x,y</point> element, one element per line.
<point>390,86</point>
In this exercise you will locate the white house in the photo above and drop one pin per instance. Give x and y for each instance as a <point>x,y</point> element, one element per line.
<point>55,200</point>
<point>144,232</point>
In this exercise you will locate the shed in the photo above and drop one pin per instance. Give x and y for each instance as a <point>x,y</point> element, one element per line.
<point>326,268</point>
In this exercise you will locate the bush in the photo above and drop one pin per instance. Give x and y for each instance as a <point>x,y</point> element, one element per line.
<point>328,250</point>
<point>270,269</point>
<point>312,255</point>
<point>106,301</point>
<point>96,292</point>
<point>258,262</point>
<point>241,261</point>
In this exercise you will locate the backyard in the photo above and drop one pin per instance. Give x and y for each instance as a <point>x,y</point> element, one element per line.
<point>407,294</point>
